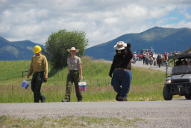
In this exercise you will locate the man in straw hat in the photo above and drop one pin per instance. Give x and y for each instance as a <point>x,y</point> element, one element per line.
<point>74,74</point>
<point>39,69</point>
<point>119,71</point>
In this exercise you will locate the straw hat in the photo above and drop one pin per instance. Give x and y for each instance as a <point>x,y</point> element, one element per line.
<point>120,45</point>
<point>73,49</point>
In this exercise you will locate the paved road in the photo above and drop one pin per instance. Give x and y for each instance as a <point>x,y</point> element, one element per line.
<point>154,114</point>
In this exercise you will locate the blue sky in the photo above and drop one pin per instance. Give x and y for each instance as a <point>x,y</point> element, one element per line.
<point>101,20</point>
<point>176,16</point>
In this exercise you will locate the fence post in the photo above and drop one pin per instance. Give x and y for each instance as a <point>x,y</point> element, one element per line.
<point>23,73</point>
<point>11,91</point>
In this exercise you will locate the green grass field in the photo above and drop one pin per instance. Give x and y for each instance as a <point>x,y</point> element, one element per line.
<point>146,84</point>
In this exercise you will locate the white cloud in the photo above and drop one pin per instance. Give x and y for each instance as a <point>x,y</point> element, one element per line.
<point>4,28</point>
<point>134,11</point>
<point>6,13</point>
<point>102,20</point>
<point>179,25</point>
<point>159,12</point>
<point>2,1</point>
<point>186,13</point>
<point>111,20</point>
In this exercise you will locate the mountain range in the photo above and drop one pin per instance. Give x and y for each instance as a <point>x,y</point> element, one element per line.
<point>16,50</point>
<point>158,38</point>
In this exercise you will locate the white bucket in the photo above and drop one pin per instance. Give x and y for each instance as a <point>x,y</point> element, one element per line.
<point>82,86</point>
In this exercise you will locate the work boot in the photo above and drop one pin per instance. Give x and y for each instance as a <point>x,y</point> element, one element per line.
<point>120,98</point>
<point>65,100</point>
<point>116,98</point>
<point>43,99</point>
<point>125,99</point>
<point>79,100</point>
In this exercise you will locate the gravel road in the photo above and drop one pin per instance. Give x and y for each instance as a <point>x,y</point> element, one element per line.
<point>154,114</point>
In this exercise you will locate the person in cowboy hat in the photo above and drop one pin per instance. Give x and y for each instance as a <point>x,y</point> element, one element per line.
<point>39,69</point>
<point>74,74</point>
<point>119,71</point>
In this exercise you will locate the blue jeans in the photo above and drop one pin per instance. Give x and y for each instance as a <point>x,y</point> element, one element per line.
<point>121,81</point>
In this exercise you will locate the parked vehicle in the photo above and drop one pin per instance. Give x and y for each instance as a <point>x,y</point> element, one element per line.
<point>178,81</point>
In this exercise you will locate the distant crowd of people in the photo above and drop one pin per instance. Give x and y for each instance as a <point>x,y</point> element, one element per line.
<point>150,58</point>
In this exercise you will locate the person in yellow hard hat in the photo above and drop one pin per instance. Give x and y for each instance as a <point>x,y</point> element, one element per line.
<point>39,69</point>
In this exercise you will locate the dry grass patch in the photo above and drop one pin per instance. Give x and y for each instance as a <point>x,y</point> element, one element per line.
<point>68,122</point>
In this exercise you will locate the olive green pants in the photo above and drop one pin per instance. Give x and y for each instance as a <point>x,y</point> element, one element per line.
<point>73,77</point>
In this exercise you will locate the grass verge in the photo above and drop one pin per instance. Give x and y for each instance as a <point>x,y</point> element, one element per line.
<point>146,84</point>
<point>67,122</point>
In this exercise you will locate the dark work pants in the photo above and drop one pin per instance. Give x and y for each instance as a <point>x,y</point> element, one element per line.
<point>73,77</point>
<point>121,82</point>
<point>36,83</point>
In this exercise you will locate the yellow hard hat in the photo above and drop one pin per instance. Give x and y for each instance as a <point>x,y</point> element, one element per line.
<point>37,49</point>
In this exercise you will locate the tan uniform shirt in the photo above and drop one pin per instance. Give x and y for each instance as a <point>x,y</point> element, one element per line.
<point>39,64</point>
<point>74,63</point>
